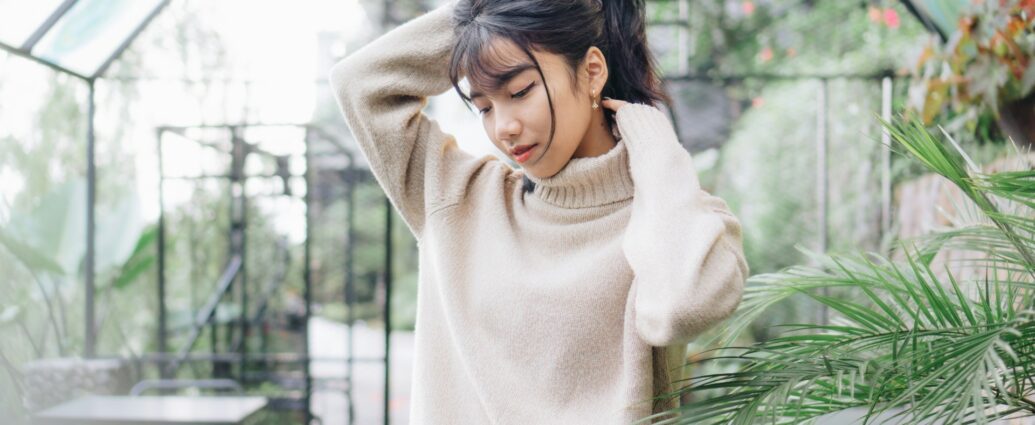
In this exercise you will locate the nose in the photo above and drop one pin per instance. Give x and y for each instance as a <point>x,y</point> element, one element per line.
<point>508,128</point>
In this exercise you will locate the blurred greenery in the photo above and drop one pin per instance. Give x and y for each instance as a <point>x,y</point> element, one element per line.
<point>787,37</point>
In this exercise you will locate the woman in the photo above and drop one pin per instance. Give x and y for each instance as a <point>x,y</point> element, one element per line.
<point>564,291</point>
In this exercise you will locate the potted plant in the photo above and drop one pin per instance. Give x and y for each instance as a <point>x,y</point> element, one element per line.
<point>984,67</point>
<point>909,342</point>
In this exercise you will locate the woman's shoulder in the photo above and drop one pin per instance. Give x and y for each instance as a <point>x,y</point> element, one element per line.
<point>478,177</point>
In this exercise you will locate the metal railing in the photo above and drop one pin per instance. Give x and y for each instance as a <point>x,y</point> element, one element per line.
<point>206,313</point>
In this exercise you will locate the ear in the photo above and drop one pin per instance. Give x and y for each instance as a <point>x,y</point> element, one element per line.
<point>595,66</point>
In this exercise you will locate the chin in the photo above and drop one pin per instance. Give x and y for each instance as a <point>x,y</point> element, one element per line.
<point>542,173</point>
<point>545,167</point>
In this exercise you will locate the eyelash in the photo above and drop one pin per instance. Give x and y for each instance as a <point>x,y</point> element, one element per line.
<point>517,95</point>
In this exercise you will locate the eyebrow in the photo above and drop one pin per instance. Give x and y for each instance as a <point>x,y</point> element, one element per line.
<point>504,78</point>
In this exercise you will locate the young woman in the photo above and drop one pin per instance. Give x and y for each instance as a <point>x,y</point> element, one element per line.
<point>564,291</point>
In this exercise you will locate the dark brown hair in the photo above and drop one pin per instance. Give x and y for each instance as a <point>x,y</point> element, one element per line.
<point>564,27</point>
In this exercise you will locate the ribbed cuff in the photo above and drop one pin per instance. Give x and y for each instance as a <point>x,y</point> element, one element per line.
<point>656,158</point>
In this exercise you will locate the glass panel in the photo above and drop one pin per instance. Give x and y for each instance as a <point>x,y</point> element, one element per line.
<point>943,13</point>
<point>20,18</point>
<point>91,31</point>
<point>42,226</point>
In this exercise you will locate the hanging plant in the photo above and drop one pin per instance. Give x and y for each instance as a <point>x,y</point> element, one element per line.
<point>985,67</point>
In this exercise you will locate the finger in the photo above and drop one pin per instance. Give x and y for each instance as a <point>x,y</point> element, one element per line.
<point>613,104</point>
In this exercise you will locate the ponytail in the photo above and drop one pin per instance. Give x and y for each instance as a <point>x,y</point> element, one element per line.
<point>632,69</point>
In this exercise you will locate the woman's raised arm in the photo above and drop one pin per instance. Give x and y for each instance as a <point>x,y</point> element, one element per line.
<point>382,89</point>
<point>682,243</point>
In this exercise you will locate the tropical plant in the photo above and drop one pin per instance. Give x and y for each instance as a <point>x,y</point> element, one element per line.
<point>48,243</point>
<point>906,341</point>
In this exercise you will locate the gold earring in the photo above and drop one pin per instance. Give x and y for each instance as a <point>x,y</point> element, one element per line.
<point>593,96</point>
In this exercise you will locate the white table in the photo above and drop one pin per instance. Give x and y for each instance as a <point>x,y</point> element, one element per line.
<point>153,410</point>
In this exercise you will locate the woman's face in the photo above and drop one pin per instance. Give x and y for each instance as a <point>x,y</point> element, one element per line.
<point>518,113</point>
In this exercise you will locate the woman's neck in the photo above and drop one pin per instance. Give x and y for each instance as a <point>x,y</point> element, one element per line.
<point>598,139</point>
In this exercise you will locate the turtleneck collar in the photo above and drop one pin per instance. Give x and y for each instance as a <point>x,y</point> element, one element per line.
<point>589,181</point>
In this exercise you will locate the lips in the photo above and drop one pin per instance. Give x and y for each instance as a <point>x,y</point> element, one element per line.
<point>523,153</point>
<point>518,150</point>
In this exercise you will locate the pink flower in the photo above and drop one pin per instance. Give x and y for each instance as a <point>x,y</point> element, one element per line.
<point>891,18</point>
<point>766,54</point>
<point>758,102</point>
<point>748,7</point>
<point>874,14</point>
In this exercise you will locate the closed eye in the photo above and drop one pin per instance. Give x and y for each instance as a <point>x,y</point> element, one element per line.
<point>524,91</point>
<point>517,95</point>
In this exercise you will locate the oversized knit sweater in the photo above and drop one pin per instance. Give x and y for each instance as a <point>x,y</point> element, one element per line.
<point>571,304</point>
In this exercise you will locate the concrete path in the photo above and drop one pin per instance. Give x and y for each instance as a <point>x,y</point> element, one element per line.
<point>328,339</point>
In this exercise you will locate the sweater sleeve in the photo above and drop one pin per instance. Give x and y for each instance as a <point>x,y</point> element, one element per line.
<point>682,243</point>
<point>382,89</point>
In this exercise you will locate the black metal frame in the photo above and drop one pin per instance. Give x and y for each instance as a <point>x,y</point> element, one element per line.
<point>351,176</point>
<point>235,279</point>
<point>924,20</point>
<point>169,362</point>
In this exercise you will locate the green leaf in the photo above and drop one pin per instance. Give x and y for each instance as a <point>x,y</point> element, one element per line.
<point>118,233</point>
<point>140,261</point>
<point>55,229</point>
<point>29,256</point>
<point>10,314</point>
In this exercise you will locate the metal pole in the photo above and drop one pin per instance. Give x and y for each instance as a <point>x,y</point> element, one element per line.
<point>350,281</point>
<point>926,21</point>
<point>388,307</point>
<point>244,325</point>
<point>129,39</point>
<point>56,15</point>
<point>386,18</point>
<point>885,157</point>
<point>214,341</point>
<point>821,179</point>
<point>683,34</point>
<point>307,275</point>
<point>90,348</point>
<point>163,330</point>
<point>26,55</point>
<point>236,227</point>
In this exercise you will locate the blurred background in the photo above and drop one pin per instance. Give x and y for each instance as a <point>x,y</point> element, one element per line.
<point>183,211</point>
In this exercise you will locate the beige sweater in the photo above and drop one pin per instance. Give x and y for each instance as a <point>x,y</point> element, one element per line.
<point>567,305</point>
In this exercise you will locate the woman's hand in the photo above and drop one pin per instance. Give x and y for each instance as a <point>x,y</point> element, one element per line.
<point>613,104</point>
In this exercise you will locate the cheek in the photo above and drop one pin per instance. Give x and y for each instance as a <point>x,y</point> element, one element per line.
<point>490,132</point>
<point>537,120</point>
<point>569,126</point>
<point>572,122</point>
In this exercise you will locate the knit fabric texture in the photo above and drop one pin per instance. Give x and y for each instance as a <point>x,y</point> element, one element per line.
<point>572,304</point>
